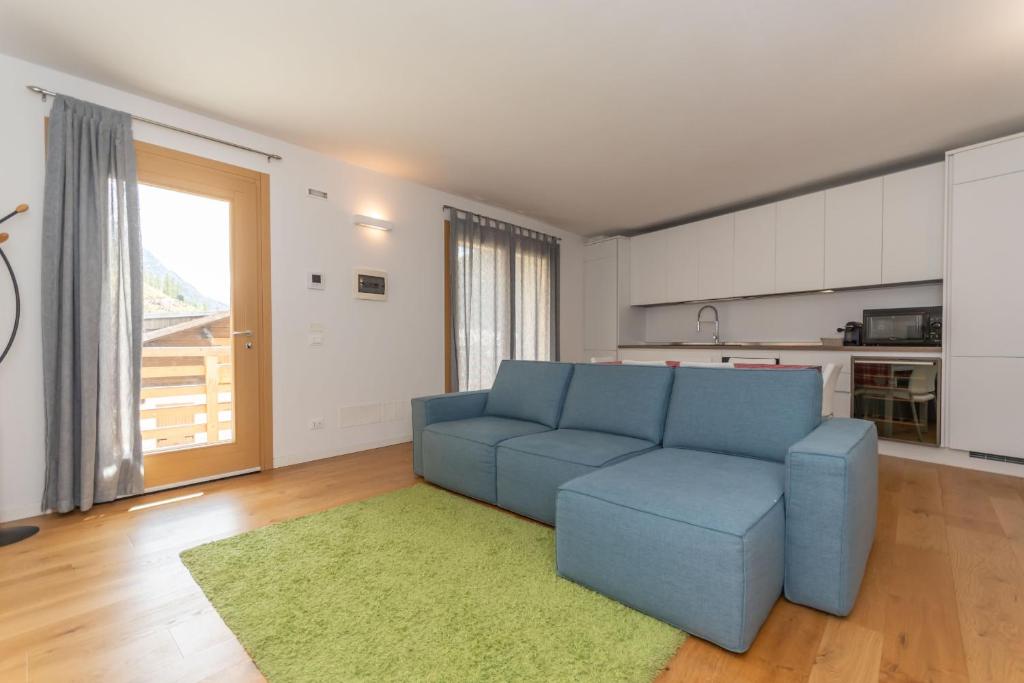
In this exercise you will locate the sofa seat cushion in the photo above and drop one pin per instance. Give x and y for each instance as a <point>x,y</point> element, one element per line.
<point>486,430</point>
<point>531,468</point>
<point>460,454</point>
<point>709,527</point>
<point>712,490</point>
<point>579,446</point>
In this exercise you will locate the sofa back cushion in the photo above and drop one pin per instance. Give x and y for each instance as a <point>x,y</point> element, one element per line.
<point>756,413</point>
<point>620,399</point>
<point>529,390</point>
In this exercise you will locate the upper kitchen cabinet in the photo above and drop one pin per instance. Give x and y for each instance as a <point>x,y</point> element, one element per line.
<point>853,234</point>
<point>754,251</point>
<point>648,268</point>
<point>683,247</point>
<point>912,224</point>
<point>800,243</point>
<point>715,238</point>
<point>884,230</point>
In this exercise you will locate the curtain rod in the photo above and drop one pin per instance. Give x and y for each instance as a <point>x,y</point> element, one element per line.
<point>44,93</point>
<point>498,224</point>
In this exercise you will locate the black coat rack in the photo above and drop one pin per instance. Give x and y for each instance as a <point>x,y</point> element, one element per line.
<point>13,534</point>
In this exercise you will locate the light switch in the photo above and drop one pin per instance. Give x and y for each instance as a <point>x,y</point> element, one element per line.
<point>316,338</point>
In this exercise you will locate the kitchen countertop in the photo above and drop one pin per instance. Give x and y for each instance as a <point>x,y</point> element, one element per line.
<point>782,346</point>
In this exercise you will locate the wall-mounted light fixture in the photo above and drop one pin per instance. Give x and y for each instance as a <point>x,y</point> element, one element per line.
<point>374,223</point>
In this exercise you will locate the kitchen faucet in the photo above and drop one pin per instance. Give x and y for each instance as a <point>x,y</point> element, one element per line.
<point>715,321</point>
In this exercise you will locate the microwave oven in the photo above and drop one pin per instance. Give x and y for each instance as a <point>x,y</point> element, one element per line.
<point>902,326</point>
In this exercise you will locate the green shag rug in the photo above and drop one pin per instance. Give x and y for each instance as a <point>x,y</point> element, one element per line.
<point>420,585</point>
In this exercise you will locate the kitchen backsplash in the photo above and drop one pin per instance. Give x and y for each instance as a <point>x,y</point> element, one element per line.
<point>797,317</point>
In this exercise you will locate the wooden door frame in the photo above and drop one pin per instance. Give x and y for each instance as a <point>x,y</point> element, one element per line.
<point>264,357</point>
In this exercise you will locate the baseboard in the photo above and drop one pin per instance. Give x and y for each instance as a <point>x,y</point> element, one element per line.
<point>948,456</point>
<point>298,458</point>
<point>16,513</point>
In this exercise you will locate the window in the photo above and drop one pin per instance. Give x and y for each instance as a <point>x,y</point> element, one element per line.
<point>502,286</point>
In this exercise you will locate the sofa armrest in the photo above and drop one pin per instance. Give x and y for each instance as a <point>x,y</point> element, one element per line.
<point>831,505</point>
<point>427,410</point>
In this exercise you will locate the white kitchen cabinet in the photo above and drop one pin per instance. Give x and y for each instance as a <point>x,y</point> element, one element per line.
<point>984,399</point>
<point>715,245</point>
<point>879,231</point>
<point>600,296</point>
<point>608,319</point>
<point>986,279</point>
<point>683,263</point>
<point>913,211</point>
<point>853,234</point>
<point>800,243</point>
<point>753,270</point>
<point>983,330</point>
<point>988,160</point>
<point>648,268</point>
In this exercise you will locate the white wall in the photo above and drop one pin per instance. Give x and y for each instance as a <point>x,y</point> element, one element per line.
<point>373,353</point>
<point>797,317</point>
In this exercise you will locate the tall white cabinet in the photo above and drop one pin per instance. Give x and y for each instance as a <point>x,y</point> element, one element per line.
<point>984,344</point>
<point>608,319</point>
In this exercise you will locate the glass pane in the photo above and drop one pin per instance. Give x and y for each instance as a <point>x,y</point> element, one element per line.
<point>187,363</point>
<point>895,327</point>
<point>899,396</point>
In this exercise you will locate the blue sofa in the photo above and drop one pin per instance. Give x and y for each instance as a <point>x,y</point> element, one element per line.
<point>696,495</point>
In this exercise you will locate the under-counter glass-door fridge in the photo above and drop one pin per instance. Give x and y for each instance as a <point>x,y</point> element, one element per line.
<point>900,395</point>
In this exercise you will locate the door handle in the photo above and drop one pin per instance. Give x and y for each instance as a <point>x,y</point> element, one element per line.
<point>244,333</point>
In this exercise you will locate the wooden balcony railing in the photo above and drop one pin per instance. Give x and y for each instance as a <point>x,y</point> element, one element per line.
<point>179,384</point>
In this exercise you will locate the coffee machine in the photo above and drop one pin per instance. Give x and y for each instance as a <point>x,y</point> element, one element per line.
<point>853,333</point>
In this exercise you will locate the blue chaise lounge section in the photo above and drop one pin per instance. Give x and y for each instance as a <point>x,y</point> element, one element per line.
<point>706,512</point>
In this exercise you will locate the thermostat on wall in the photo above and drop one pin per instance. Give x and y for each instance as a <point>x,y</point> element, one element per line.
<point>315,281</point>
<point>371,284</point>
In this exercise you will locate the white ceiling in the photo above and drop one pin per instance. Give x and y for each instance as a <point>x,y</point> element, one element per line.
<point>594,116</point>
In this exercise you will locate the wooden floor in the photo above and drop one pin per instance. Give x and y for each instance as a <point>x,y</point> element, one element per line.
<point>102,596</point>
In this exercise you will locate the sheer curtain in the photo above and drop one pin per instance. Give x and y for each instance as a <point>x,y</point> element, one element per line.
<point>534,295</point>
<point>504,292</point>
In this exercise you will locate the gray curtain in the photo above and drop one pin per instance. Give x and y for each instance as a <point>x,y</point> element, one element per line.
<point>535,259</point>
<point>91,307</point>
<point>504,294</point>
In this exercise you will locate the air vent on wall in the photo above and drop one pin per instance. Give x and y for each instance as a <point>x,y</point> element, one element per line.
<point>997,458</point>
<point>316,194</point>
